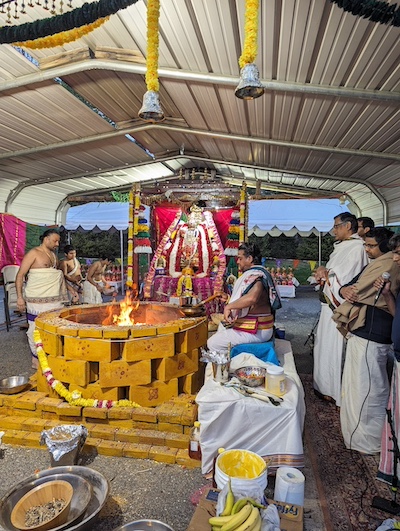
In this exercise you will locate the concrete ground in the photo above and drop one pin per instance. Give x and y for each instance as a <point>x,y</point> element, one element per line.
<point>143,488</point>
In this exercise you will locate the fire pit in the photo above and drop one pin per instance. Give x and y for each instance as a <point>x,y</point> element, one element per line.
<point>149,361</point>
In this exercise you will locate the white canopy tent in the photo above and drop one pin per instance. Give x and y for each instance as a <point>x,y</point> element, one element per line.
<point>273,217</point>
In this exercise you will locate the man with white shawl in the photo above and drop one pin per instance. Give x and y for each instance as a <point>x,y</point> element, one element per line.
<point>45,287</point>
<point>366,322</point>
<point>249,315</point>
<point>345,262</point>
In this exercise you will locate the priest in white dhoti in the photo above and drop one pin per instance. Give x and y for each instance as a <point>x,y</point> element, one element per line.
<point>45,287</point>
<point>365,320</point>
<point>345,262</point>
<point>249,314</point>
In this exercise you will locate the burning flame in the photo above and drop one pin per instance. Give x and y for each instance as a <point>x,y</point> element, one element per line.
<point>127,306</point>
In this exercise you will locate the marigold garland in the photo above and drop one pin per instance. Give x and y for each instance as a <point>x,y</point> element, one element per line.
<point>87,14</point>
<point>153,14</point>
<point>129,273</point>
<point>62,38</point>
<point>242,210</point>
<point>249,52</point>
<point>74,398</point>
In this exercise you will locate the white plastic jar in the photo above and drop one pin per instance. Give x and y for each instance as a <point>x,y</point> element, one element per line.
<point>275,382</point>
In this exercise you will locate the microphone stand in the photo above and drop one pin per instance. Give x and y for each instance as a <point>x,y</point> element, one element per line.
<point>390,506</point>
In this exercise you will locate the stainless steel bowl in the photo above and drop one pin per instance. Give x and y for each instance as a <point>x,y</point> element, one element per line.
<point>99,493</point>
<point>145,525</point>
<point>13,384</point>
<point>251,376</point>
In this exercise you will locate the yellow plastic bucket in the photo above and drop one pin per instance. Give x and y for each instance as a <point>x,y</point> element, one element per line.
<point>245,468</point>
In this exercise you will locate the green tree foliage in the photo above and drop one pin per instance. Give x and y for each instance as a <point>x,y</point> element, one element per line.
<point>95,245</point>
<point>303,248</point>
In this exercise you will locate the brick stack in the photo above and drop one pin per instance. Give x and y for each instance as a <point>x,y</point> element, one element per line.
<point>155,365</point>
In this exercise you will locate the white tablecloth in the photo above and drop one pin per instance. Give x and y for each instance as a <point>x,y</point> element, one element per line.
<point>231,420</point>
<point>286,291</point>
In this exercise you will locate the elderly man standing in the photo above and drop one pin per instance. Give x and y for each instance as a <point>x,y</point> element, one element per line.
<point>45,287</point>
<point>366,321</point>
<point>345,262</point>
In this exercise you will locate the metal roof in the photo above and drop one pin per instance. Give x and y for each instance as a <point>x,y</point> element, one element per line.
<point>328,122</point>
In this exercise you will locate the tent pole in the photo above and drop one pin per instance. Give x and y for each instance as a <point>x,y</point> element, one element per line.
<point>319,248</point>
<point>121,239</point>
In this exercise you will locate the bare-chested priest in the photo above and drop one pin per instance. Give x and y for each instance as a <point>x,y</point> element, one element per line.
<point>95,283</point>
<point>45,287</point>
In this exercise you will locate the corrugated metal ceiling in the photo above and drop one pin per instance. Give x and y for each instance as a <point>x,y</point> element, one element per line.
<point>328,121</point>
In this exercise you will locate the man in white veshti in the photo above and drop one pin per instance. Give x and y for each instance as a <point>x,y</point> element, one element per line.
<point>71,268</point>
<point>45,287</point>
<point>345,262</point>
<point>249,310</point>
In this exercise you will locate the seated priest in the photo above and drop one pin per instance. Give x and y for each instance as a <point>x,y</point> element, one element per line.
<point>249,314</point>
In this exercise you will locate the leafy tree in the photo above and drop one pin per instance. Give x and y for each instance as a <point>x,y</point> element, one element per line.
<point>95,245</point>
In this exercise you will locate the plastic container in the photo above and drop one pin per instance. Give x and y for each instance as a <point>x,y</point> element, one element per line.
<point>214,482</point>
<point>194,442</point>
<point>247,470</point>
<point>275,381</point>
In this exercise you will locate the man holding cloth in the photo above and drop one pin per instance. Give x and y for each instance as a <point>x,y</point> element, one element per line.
<point>366,321</point>
<point>347,260</point>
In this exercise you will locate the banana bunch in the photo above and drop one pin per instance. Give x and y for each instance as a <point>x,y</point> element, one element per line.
<point>242,515</point>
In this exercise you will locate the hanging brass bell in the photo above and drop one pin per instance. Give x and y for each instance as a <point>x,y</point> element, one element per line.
<point>151,110</point>
<point>249,86</point>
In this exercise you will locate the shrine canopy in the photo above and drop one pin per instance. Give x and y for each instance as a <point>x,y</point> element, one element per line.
<point>293,216</point>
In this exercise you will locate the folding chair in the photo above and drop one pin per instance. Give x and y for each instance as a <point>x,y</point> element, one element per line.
<point>10,291</point>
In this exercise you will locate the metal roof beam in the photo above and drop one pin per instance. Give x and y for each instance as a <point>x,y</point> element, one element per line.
<point>36,182</point>
<point>200,132</point>
<point>198,77</point>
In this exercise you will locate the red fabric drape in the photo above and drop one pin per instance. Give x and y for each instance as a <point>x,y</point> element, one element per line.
<point>164,214</point>
<point>12,240</point>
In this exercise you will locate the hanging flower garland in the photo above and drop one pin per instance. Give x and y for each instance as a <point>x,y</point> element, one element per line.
<point>62,38</point>
<point>74,398</point>
<point>129,273</point>
<point>376,11</point>
<point>249,52</point>
<point>81,16</point>
<point>153,14</point>
<point>142,240</point>
<point>242,211</point>
<point>232,242</point>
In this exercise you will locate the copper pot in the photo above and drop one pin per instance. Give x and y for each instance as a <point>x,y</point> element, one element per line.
<point>197,310</point>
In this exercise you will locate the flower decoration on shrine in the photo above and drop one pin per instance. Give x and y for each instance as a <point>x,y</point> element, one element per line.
<point>151,110</point>
<point>232,243</point>
<point>250,86</point>
<point>72,397</point>
<point>142,239</point>
<point>129,277</point>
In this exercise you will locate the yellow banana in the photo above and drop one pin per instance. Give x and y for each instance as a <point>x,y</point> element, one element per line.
<point>242,502</point>
<point>239,505</point>
<point>251,522</point>
<point>238,518</point>
<point>219,521</point>
<point>230,500</point>
<point>257,527</point>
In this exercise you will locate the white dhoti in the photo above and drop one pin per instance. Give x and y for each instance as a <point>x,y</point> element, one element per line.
<point>91,294</point>
<point>44,291</point>
<point>365,393</point>
<point>224,336</point>
<point>328,356</point>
